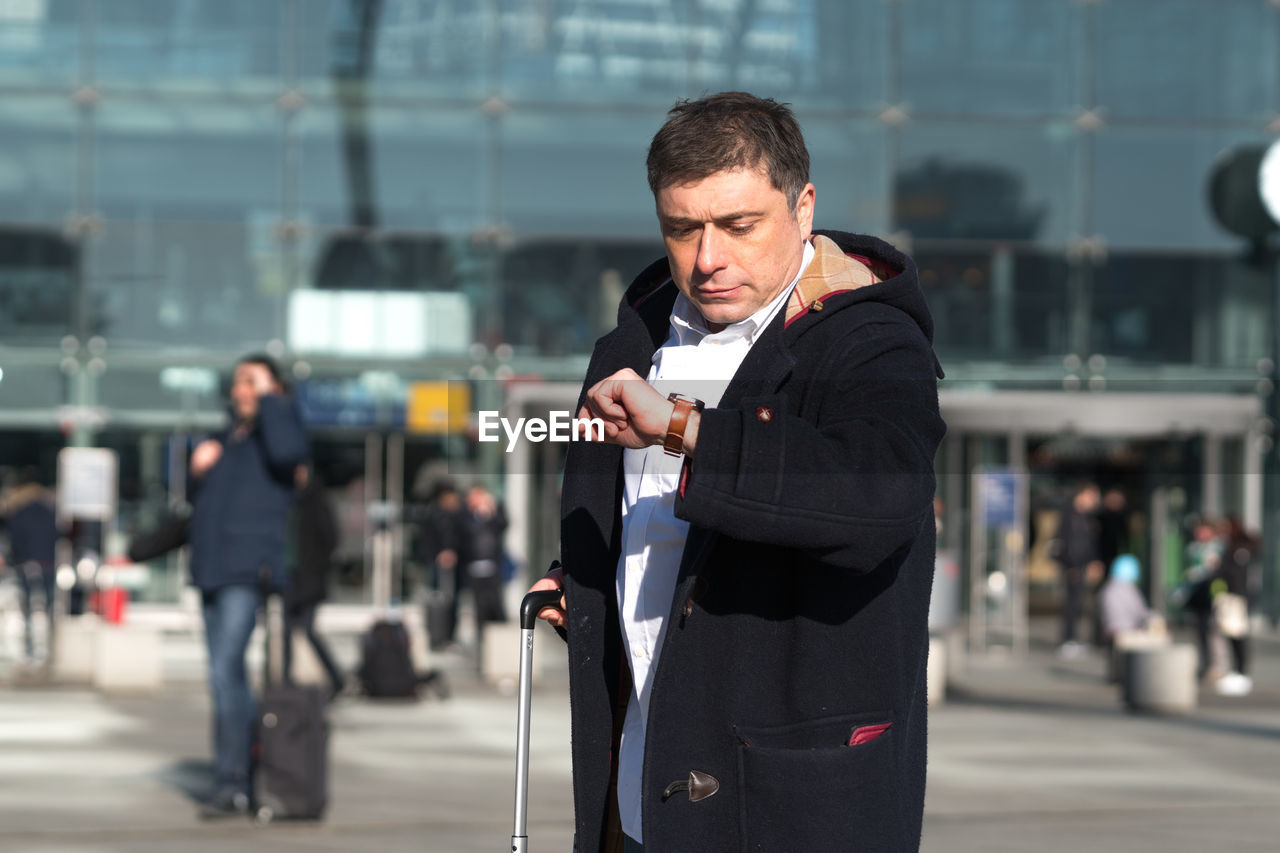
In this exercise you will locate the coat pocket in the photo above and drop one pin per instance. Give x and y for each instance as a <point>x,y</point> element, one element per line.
<point>829,785</point>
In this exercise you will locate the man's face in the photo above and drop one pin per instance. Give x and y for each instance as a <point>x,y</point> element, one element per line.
<point>733,242</point>
<point>250,382</point>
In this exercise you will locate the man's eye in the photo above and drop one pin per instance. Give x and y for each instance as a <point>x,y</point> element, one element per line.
<point>680,230</point>
<point>741,227</point>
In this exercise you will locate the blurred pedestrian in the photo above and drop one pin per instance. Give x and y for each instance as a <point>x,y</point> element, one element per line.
<point>28,514</point>
<point>1113,540</point>
<point>315,538</point>
<point>1078,554</point>
<point>1230,592</point>
<point>237,533</point>
<point>1113,526</point>
<point>1120,602</point>
<point>485,524</point>
<point>440,549</point>
<point>1204,556</point>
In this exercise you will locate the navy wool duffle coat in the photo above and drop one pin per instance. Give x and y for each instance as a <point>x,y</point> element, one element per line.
<point>792,671</point>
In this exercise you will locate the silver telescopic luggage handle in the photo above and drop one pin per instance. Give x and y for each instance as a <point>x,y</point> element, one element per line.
<point>529,608</point>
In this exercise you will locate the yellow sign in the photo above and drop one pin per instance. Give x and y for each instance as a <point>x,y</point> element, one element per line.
<point>437,408</point>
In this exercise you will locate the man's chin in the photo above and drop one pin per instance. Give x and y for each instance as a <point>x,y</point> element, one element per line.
<point>721,315</point>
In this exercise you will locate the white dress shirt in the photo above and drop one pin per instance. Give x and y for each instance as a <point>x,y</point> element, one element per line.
<point>699,363</point>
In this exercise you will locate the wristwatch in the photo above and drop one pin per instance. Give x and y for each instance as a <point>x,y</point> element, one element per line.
<point>674,443</point>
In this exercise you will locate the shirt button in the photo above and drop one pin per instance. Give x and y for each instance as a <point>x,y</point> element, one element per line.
<point>764,414</point>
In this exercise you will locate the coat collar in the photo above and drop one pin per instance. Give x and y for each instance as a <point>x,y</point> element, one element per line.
<point>830,272</point>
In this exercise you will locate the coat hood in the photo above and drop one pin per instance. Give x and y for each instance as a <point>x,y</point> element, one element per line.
<point>846,270</point>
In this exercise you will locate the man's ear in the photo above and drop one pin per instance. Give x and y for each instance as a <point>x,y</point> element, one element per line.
<point>804,210</point>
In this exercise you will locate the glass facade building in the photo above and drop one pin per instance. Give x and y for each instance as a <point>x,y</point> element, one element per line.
<point>183,182</point>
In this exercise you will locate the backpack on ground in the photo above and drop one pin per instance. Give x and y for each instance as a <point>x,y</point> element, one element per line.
<point>386,664</point>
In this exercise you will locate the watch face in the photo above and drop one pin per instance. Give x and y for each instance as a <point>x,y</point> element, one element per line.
<point>1269,181</point>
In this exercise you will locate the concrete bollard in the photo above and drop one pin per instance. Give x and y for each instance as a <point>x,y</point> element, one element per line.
<point>1126,640</point>
<point>500,656</point>
<point>936,672</point>
<point>73,648</point>
<point>128,658</point>
<point>1160,679</point>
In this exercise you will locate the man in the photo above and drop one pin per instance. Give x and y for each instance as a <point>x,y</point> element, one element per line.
<point>484,525</point>
<point>1078,554</point>
<point>315,538</point>
<point>746,578</point>
<point>244,493</point>
<point>440,548</point>
<point>28,513</point>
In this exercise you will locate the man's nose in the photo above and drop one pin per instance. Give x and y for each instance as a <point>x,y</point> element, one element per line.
<point>710,251</point>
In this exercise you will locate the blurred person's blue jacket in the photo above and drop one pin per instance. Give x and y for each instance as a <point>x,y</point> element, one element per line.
<point>240,513</point>
<point>33,529</point>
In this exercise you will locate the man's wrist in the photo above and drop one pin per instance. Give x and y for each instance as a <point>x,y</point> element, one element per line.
<point>683,410</point>
<point>691,433</point>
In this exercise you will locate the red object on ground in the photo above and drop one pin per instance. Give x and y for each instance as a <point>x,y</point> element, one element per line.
<point>114,603</point>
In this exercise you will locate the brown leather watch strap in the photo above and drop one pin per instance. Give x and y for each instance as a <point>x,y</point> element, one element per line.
<point>674,443</point>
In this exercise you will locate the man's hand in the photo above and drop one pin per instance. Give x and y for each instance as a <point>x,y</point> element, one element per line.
<point>555,616</point>
<point>205,456</point>
<point>634,414</point>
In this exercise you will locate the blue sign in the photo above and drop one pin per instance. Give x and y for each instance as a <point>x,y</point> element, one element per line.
<point>346,402</point>
<point>999,493</point>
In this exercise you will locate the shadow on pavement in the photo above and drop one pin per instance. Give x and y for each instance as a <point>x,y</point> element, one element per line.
<point>192,777</point>
<point>1083,707</point>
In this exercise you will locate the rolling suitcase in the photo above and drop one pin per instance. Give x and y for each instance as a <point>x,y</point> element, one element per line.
<point>292,771</point>
<point>533,602</point>
<point>439,612</point>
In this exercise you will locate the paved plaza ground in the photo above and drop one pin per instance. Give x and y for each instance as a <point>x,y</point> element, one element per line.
<point>1030,754</point>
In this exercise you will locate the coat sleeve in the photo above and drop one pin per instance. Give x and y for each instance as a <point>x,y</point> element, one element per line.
<point>284,439</point>
<point>850,480</point>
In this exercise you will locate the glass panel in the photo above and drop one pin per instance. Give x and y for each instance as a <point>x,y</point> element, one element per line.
<point>419,168</point>
<point>187,160</point>
<point>37,159</point>
<point>995,303</point>
<point>24,385</point>
<point>188,253</point>
<point>990,56</point>
<point>219,45</point>
<point>401,48</point>
<point>958,181</point>
<point>39,41</point>
<point>387,294</point>
<point>848,167</point>
<point>1205,310</point>
<point>1150,186</point>
<point>583,175</point>
<point>1186,58</point>
<point>652,51</point>
<point>183,390</point>
<point>188,283</point>
<point>560,295</point>
<point>37,285</point>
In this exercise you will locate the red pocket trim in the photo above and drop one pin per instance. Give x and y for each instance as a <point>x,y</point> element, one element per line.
<point>866,734</point>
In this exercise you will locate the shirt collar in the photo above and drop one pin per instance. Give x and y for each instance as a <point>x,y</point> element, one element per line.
<point>690,328</point>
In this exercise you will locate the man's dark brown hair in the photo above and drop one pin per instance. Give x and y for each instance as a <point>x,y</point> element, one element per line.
<point>726,132</point>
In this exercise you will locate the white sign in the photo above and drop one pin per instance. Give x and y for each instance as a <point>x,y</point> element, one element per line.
<point>384,324</point>
<point>86,483</point>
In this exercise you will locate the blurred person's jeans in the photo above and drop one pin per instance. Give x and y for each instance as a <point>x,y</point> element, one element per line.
<point>230,614</point>
<point>30,577</point>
